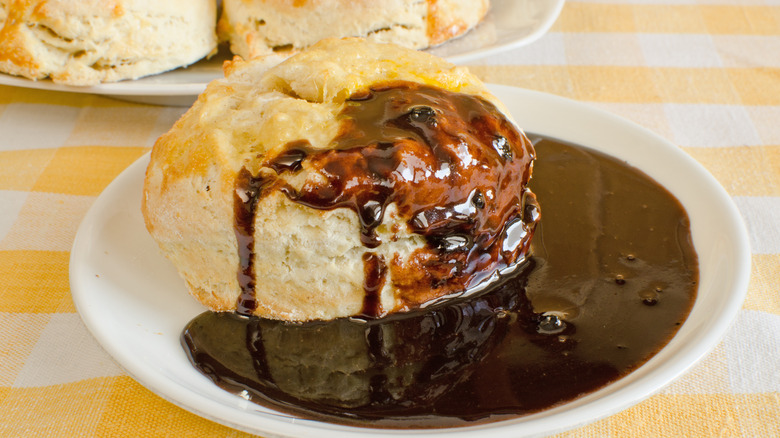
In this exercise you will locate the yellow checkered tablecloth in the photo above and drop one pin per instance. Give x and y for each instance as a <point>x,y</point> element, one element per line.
<point>705,74</point>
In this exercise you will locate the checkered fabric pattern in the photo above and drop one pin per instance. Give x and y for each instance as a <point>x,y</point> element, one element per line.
<point>705,74</point>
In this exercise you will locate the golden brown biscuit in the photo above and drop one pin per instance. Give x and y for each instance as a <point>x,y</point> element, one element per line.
<point>261,27</point>
<point>353,178</point>
<point>84,42</point>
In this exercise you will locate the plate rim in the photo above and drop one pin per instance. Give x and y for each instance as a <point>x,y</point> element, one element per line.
<point>645,380</point>
<point>147,87</point>
<point>545,23</point>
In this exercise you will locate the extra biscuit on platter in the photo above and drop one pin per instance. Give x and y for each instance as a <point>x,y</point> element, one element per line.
<point>264,27</point>
<point>85,42</point>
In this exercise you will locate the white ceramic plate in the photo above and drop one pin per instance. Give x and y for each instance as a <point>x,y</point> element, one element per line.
<point>136,305</point>
<point>508,24</point>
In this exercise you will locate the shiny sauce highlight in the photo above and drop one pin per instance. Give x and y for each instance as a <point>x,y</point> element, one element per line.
<point>454,167</point>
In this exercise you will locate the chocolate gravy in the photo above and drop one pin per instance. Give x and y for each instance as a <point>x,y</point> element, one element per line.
<point>612,276</point>
<point>452,164</point>
<point>245,199</point>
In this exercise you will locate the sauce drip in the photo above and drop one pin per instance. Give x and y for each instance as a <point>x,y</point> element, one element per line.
<point>245,197</point>
<point>612,277</point>
<point>375,272</point>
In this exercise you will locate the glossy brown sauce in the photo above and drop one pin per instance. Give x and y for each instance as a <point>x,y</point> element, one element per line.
<point>613,274</point>
<point>451,163</point>
<point>245,199</point>
<point>375,272</point>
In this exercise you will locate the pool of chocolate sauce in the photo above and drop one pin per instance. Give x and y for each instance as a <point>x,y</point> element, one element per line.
<point>611,277</point>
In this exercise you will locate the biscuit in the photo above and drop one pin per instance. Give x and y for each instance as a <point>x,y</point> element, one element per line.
<point>354,178</point>
<point>85,42</point>
<point>262,27</point>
